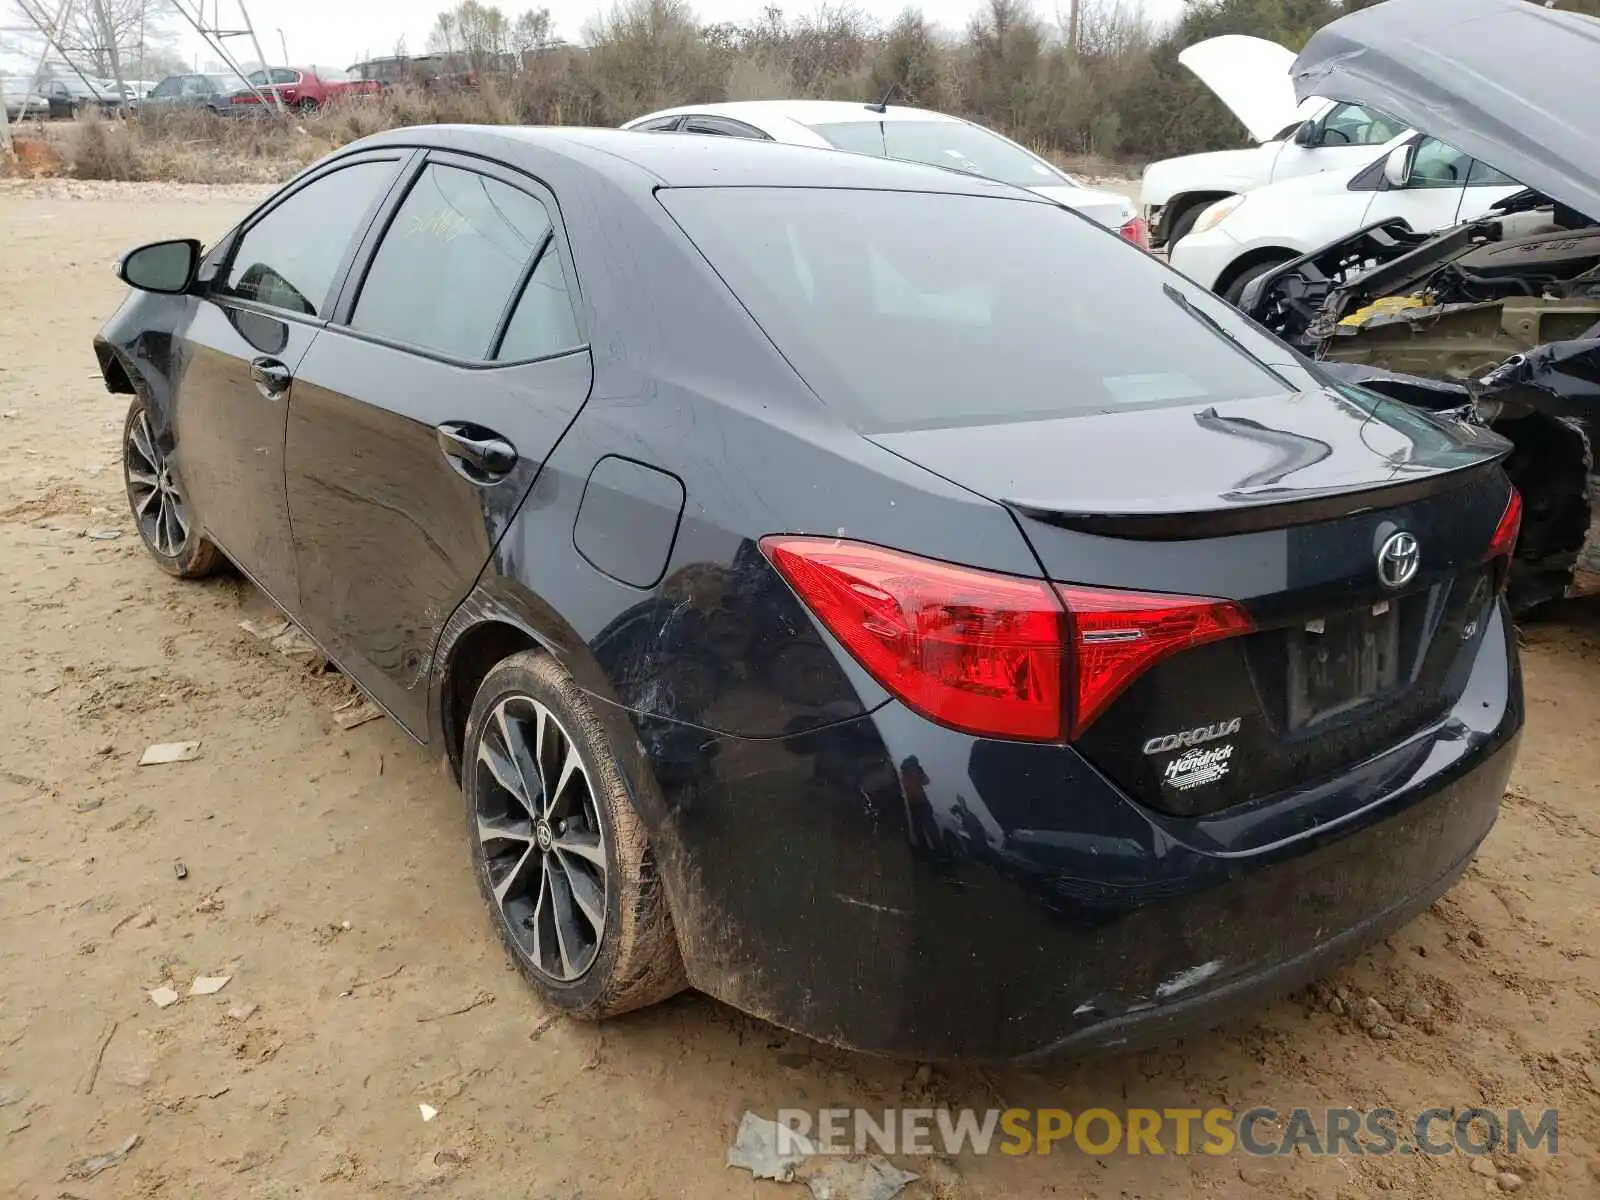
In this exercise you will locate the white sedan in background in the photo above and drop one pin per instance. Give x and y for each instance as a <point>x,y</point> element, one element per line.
<point>1429,184</point>
<point>915,134</point>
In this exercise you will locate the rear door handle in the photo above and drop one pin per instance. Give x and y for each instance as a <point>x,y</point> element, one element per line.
<point>482,455</point>
<point>271,377</point>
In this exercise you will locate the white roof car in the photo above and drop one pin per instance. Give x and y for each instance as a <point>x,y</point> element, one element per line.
<point>1250,75</point>
<point>1429,184</point>
<point>888,131</point>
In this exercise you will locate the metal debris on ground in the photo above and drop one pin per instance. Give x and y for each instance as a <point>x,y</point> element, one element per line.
<point>163,997</point>
<point>243,1012</point>
<point>871,1178</point>
<point>293,644</point>
<point>170,752</point>
<point>102,535</point>
<point>357,711</point>
<point>208,985</point>
<point>178,869</point>
<point>267,629</point>
<point>429,1112</point>
<point>768,1152</point>
<point>755,1149</point>
<point>88,1168</point>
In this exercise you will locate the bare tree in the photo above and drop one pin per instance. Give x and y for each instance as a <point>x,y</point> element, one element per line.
<point>108,34</point>
<point>533,31</point>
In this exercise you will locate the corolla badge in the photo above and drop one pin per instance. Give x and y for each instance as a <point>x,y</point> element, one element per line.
<point>1192,737</point>
<point>1398,560</point>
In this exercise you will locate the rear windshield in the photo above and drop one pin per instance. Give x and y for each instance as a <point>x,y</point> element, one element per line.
<point>916,310</point>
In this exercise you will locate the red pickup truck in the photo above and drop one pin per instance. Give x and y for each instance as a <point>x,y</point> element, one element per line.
<point>305,89</point>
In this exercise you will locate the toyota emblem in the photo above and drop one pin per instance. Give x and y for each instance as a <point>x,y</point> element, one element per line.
<point>1398,560</point>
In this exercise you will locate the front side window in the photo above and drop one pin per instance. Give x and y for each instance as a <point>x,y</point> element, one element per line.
<point>290,257</point>
<point>1353,125</point>
<point>911,310</point>
<point>953,144</point>
<point>457,249</point>
<point>167,88</point>
<point>1436,165</point>
<point>197,85</point>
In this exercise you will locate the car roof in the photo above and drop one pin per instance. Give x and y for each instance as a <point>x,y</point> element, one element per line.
<point>792,120</point>
<point>645,161</point>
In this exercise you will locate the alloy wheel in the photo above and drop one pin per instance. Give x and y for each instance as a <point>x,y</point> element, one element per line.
<point>543,844</point>
<point>158,503</point>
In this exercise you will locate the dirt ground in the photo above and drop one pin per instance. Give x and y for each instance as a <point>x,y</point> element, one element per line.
<point>327,873</point>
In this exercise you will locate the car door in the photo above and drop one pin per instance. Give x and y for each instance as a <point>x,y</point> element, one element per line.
<point>423,414</point>
<point>267,293</point>
<point>1433,191</point>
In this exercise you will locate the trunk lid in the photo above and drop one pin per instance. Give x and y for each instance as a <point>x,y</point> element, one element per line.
<point>1251,76</point>
<point>1285,506</point>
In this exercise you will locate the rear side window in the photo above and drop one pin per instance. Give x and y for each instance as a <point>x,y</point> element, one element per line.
<point>912,309</point>
<point>289,258</point>
<point>458,248</point>
<point>542,323</point>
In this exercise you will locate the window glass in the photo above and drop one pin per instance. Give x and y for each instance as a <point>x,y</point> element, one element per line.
<point>542,323</point>
<point>1352,125</point>
<point>168,87</point>
<point>446,269</point>
<point>196,85</point>
<point>723,126</point>
<point>953,144</point>
<point>658,125</point>
<point>912,309</point>
<point>289,258</point>
<point>1438,165</point>
<point>1483,175</point>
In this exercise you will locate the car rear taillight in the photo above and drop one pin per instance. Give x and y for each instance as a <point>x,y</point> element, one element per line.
<point>1504,542</point>
<point>1137,231</point>
<point>989,654</point>
<point>1116,636</point>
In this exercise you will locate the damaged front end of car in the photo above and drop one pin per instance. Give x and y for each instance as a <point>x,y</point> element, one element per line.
<point>1496,319</point>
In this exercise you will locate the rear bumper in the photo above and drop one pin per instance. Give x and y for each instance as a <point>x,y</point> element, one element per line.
<point>893,887</point>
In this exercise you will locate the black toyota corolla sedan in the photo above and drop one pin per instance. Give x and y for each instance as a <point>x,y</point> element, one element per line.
<point>875,596</point>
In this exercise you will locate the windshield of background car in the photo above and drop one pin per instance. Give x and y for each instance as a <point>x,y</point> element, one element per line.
<point>917,309</point>
<point>953,144</point>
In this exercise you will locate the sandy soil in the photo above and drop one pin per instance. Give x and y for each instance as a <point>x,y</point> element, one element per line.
<point>327,874</point>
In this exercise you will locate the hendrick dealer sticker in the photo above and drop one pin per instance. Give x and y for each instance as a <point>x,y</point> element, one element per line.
<point>1198,766</point>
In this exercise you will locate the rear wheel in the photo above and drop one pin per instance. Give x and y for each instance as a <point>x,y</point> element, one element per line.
<point>308,106</point>
<point>161,509</point>
<point>561,858</point>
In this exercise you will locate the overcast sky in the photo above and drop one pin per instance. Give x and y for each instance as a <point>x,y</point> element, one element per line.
<point>339,32</point>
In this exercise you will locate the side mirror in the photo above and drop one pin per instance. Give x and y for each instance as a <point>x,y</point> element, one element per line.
<point>1308,135</point>
<point>166,268</point>
<point>1397,167</point>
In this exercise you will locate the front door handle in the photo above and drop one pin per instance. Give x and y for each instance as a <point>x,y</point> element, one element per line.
<point>271,377</point>
<point>480,454</point>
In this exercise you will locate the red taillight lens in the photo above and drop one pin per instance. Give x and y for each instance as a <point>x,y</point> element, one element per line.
<point>1116,636</point>
<point>973,650</point>
<point>1137,231</point>
<point>989,654</point>
<point>1504,542</point>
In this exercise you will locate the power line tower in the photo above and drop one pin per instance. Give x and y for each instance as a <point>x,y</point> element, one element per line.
<point>210,26</point>
<point>57,29</point>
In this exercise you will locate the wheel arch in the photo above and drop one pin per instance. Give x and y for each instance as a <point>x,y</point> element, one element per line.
<point>1182,202</point>
<point>1249,259</point>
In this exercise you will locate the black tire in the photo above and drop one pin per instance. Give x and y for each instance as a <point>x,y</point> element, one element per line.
<point>180,548</point>
<point>1183,223</point>
<point>632,959</point>
<point>308,106</point>
<point>1234,292</point>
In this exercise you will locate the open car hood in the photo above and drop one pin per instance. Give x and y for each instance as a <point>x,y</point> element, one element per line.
<point>1506,81</point>
<point>1251,76</point>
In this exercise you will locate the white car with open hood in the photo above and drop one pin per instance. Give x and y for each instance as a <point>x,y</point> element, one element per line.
<point>890,131</point>
<point>1251,76</point>
<point>1422,180</point>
